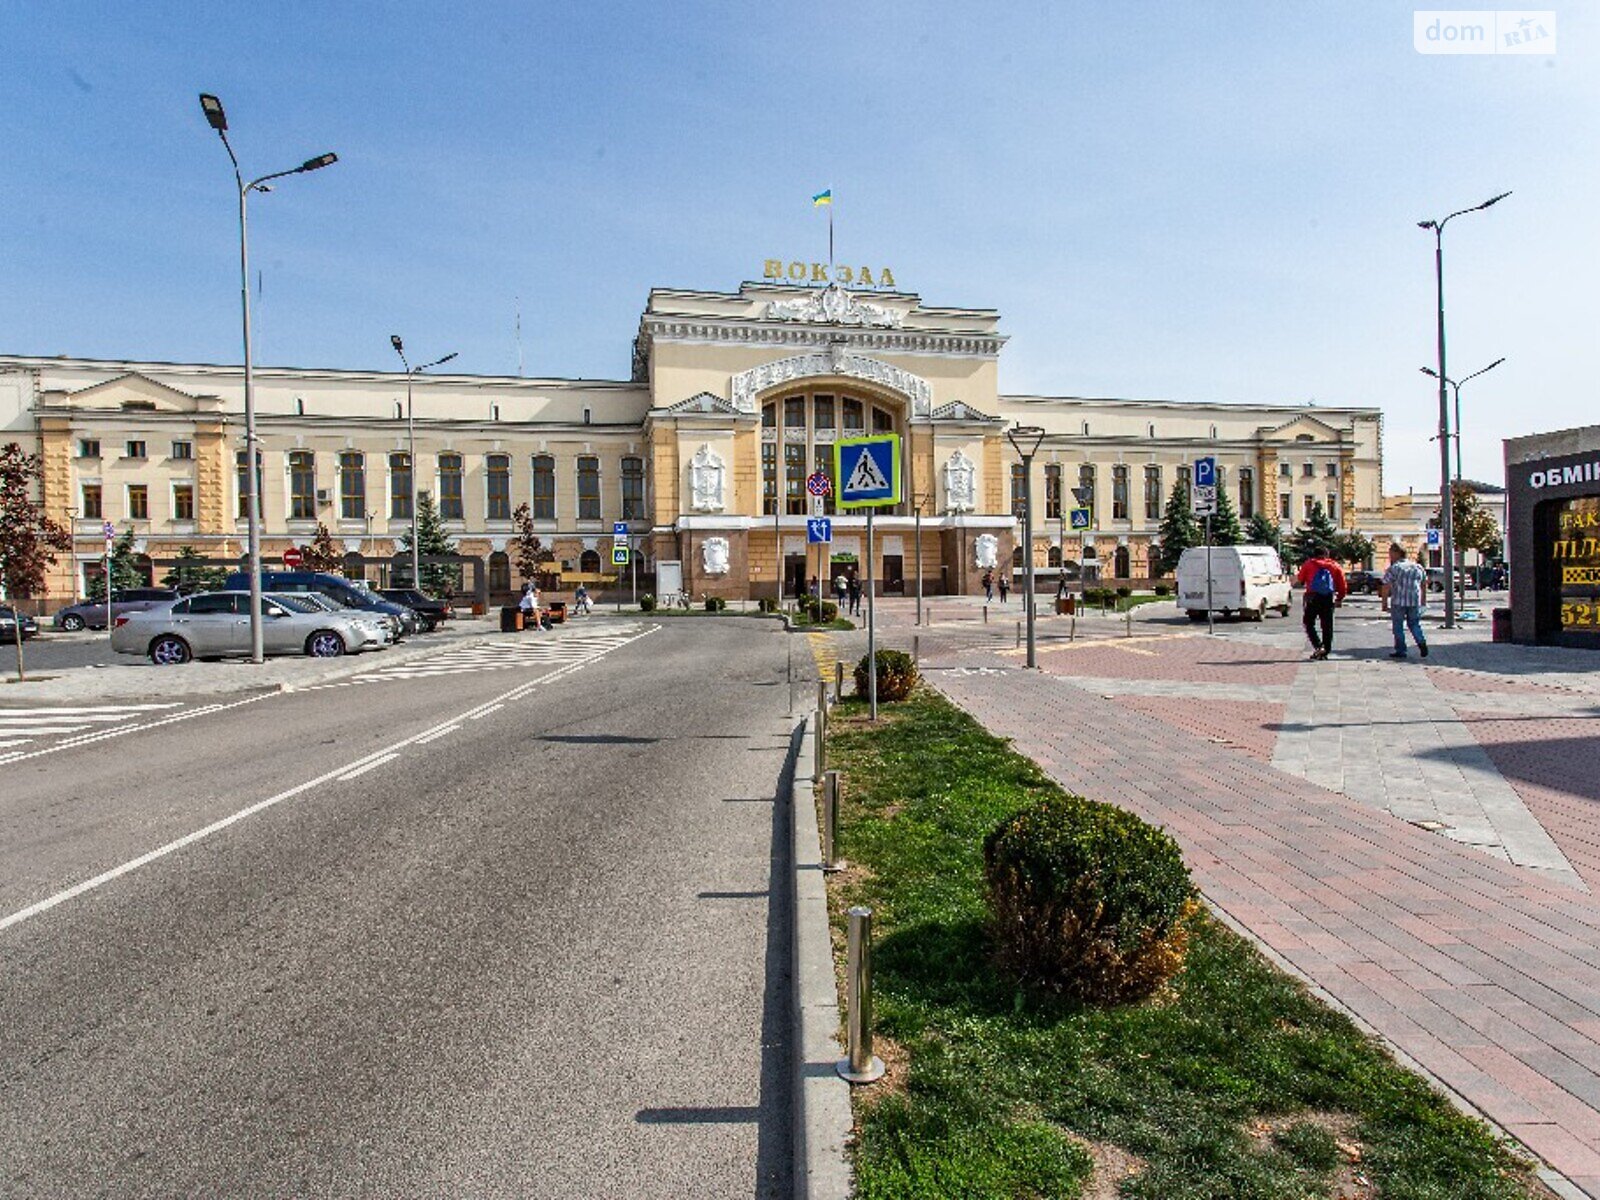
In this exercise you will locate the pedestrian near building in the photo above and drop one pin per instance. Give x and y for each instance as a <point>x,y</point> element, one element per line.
<point>988,585</point>
<point>1326,589</point>
<point>853,590</point>
<point>1005,588</point>
<point>841,589</point>
<point>528,603</point>
<point>1404,591</point>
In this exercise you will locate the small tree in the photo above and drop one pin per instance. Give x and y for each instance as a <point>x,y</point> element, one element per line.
<point>438,579</point>
<point>1474,525</point>
<point>125,572</point>
<point>1262,530</point>
<point>29,540</point>
<point>191,573</point>
<point>1178,530</point>
<point>1225,529</point>
<point>322,554</point>
<point>1316,537</point>
<point>1353,546</point>
<point>529,551</point>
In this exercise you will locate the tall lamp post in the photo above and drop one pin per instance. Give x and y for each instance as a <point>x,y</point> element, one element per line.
<point>411,450</point>
<point>1025,441</point>
<point>917,501</point>
<point>1455,386</point>
<point>218,120</point>
<point>1446,521</point>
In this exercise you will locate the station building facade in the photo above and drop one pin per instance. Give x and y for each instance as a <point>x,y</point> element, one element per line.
<point>733,399</point>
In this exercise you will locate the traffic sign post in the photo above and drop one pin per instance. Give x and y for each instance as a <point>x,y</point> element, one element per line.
<point>819,531</point>
<point>868,471</point>
<point>110,531</point>
<point>619,556</point>
<point>292,557</point>
<point>1203,503</point>
<point>1080,518</point>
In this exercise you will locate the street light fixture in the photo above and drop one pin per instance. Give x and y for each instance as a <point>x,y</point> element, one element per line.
<point>411,451</point>
<point>1025,440</point>
<point>1446,521</point>
<point>217,118</point>
<point>1455,386</point>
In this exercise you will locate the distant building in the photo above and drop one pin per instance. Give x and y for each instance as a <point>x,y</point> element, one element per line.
<point>703,452</point>
<point>1406,518</point>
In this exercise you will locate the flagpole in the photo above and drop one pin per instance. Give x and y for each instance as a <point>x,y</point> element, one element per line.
<point>830,235</point>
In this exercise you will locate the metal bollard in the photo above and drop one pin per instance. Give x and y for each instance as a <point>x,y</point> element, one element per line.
<point>1019,635</point>
<point>822,695</point>
<point>916,649</point>
<point>1072,628</point>
<point>830,820</point>
<point>838,682</point>
<point>985,614</point>
<point>819,743</point>
<point>1129,632</point>
<point>859,1065</point>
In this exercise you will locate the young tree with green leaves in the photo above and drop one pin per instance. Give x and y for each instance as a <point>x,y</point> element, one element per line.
<point>1316,537</point>
<point>322,554</point>
<point>438,579</point>
<point>1262,530</point>
<point>1353,546</point>
<point>190,572</point>
<point>1178,530</point>
<point>29,540</point>
<point>527,549</point>
<point>125,570</point>
<point>1474,526</point>
<point>1225,529</point>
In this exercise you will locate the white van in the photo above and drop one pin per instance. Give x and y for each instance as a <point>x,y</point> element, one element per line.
<point>1247,580</point>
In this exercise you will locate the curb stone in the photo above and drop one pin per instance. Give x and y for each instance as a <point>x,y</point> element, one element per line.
<point>823,1119</point>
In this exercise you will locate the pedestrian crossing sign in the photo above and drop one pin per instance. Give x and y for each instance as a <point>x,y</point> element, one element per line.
<point>619,556</point>
<point>1080,518</point>
<point>868,470</point>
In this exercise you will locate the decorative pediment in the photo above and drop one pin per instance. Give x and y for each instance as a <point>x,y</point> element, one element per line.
<point>957,410</point>
<point>1305,424</point>
<point>837,361</point>
<point>135,391</point>
<point>835,306</point>
<point>705,404</point>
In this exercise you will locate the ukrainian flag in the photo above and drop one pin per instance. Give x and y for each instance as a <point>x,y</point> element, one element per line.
<point>822,198</point>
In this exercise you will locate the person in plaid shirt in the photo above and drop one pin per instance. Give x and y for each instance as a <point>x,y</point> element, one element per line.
<point>1405,586</point>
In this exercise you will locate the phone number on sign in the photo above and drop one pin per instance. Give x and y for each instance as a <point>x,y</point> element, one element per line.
<point>1580,616</point>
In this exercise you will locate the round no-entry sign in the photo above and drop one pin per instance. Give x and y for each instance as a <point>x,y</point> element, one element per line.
<point>292,557</point>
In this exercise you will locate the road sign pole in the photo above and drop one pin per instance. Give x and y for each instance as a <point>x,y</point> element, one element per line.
<point>919,561</point>
<point>1211,620</point>
<point>872,631</point>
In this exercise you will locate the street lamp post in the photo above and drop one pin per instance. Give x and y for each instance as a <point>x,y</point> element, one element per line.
<point>917,502</point>
<point>411,451</point>
<point>1455,386</point>
<point>218,120</point>
<point>1446,521</point>
<point>1025,441</point>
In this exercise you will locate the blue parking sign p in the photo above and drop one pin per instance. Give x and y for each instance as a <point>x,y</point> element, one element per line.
<point>1205,472</point>
<point>867,470</point>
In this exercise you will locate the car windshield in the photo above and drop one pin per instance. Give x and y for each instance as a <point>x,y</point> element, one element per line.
<point>297,604</point>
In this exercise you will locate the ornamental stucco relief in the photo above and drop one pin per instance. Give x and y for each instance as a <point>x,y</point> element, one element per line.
<point>714,555</point>
<point>986,548</point>
<point>747,385</point>
<point>835,305</point>
<point>707,477</point>
<point>960,484</point>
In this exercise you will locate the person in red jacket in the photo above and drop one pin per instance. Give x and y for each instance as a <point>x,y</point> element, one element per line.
<point>1326,589</point>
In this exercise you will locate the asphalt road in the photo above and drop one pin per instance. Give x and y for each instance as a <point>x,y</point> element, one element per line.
<point>533,955</point>
<point>51,651</point>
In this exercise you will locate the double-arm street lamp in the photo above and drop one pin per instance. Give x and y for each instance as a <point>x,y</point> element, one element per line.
<point>1446,523</point>
<point>411,450</point>
<point>1455,386</point>
<point>1025,440</point>
<point>218,120</point>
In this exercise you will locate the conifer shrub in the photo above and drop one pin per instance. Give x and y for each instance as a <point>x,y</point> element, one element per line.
<point>767,604</point>
<point>1087,900</point>
<point>897,675</point>
<point>647,603</point>
<point>715,604</point>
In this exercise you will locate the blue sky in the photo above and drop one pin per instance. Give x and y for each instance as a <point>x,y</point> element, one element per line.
<point>1187,202</point>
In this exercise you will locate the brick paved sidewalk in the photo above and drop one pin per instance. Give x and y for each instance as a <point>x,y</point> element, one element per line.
<point>1483,974</point>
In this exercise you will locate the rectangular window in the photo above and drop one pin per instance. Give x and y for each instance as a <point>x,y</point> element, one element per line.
<point>1284,501</point>
<point>1308,470</point>
<point>1152,493</point>
<point>183,450</point>
<point>1052,491</point>
<point>91,502</point>
<point>544,488</point>
<point>89,448</point>
<point>769,478</point>
<point>450,472</point>
<point>400,485</point>
<point>302,486</point>
<point>183,502</point>
<point>1086,485</point>
<point>1018,485</point>
<point>794,412</point>
<point>138,502</point>
<point>498,484</point>
<point>588,488</point>
<point>135,450</point>
<point>1333,507</point>
<point>822,463</point>
<point>854,419</point>
<point>633,489</point>
<point>1307,503</point>
<point>352,486</point>
<point>1333,470</point>
<point>794,479</point>
<point>1286,470</point>
<point>1247,493</point>
<point>1119,493</point>
<point>822,408</point>
<point>243,478</point>
<point>1185,474</point>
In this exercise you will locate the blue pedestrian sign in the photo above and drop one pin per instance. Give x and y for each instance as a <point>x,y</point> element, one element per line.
<point>1205,472</point>
<point>868,471</point>
<point>619,556</point>
<point>1080,518</point>
<point>819,531</point>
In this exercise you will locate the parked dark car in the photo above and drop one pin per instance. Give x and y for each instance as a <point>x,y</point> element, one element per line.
<point>336,587</point>
<point>1363,581</point>
<point>8,626</point>
<point>429,611</point>
<point>91,614</point>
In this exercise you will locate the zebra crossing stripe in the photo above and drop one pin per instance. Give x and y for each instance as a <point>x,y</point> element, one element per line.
<point>507,654</point>
<point>19,726</point>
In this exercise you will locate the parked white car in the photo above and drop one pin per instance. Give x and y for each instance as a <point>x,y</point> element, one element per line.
<point>1247,580</point>
<point>217,625</point>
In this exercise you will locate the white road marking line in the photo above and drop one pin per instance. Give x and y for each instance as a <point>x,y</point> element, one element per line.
<point>133,864</point>
<point>30,720</point>
<point>101,735</point>
<point>96,708</point>
<point>487,711</point>
<point>371,766</point>
<point>423,741</point>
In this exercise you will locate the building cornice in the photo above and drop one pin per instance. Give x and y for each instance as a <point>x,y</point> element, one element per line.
<point>739,331</point>
<point>1196,406</point>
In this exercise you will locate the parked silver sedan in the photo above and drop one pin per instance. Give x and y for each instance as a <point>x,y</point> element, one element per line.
<point>217,625</point>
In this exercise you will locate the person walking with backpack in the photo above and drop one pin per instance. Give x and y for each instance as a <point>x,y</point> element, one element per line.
<point>1404,591</point>
<point>1326,589</point>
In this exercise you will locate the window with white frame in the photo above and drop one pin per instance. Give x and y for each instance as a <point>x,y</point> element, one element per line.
<point>588,488</point>
<point>183,502</point>
<point>451,507</point>
<point>352,486</point>
<point>138,502</point>
<point>91,507</point>
<point>498,484</point>
<point>633,489</point>
<point>544,487</point>
<point>400,485</point>
<point>302,486</point>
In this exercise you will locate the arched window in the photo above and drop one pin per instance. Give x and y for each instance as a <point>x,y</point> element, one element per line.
<point>1086,485</point>
<point>1119,568</point>
<point>589,562</point>
<point>1052,557</point>
<point>588,488</point>
<point>352,486</point>
<point>1018,484</point>
<point>355,566</point>
<point>497,482</point>
<point>1119,492</point>
<point>499,571</point>
<point>1016,555</point>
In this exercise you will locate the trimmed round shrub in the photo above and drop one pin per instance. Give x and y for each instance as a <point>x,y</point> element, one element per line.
<point>647,603</point>
<point>1124,592</point>
<point>1087,900</point>
<point>767,604</point>
<point>1161,589</point>
<point>897,675</point>
<point>715,604</point>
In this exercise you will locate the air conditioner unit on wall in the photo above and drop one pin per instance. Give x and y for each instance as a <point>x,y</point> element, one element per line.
<point>324,496</point>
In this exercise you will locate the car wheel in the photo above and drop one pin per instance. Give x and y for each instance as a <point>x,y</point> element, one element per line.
<point>325,644</point>
<point>169,651</point>
<point>1261,613</point>
<point>72,623</point>
<point>1195,614</point>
